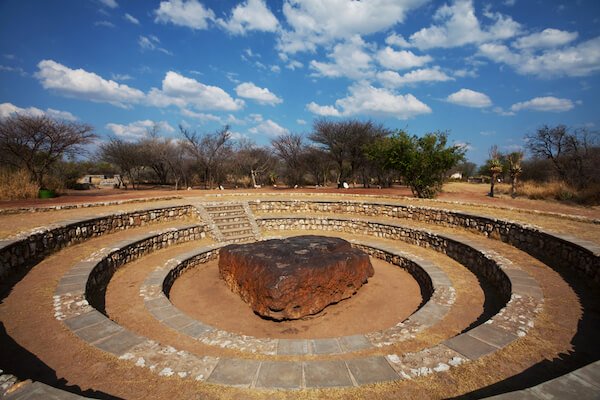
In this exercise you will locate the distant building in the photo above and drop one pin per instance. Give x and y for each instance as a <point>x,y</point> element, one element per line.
<point>457,176</point>
<point>101,181</point>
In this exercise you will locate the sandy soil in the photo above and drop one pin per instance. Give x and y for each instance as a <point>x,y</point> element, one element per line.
<point>389,297</point>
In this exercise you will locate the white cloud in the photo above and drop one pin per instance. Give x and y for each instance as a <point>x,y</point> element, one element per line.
<point>256,117</point>
<point>301,122</point>
<point>457,25</point>
<point>294,64</point>
<point>109,3</point>
<point>350,59</point>
<point>138,129</point>
<point>202,117</point>
<point>106,24</point>
<point>404,59</point>
<point>121,77</point>
<point>86,85</point>
<point>8,109</point>
<point>268,128</point>
<point>396,40</point>
<point>316,22</point>
<point>132,19</point>
<point>579,60</point>
<point>253,15</point>
<point>275,68</point>
<point>249,90</point>
<point>548,103</point>
<point>151,42</point>
<point>469,98</point>
<point>17,70</point>
<point>181,91</point>
<point>545,39</point>
<point>365,99</point>
<point>394,79</point>
<point>188,13</point>
<point>324,111</point>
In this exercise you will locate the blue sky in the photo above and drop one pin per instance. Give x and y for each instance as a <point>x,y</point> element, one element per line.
<point>487,71</point>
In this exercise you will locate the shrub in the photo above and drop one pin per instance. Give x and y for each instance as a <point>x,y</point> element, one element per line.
<point>15,185</point>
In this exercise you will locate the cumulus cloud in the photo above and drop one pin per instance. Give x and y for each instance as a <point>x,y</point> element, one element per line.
<point>253,15</point>
<point>249,90</point>
<point>188,13</point>
<point>578,60</point>
<point>109,3</point>
<point>8,109</point>
<point>394,79</point>
<point>132,19</point>
<point>269,128</point>
<point>138,129</point>
<point>349,59</point>
<point>396,40</point>
<point>202,117</point>
<point>545,39</point>
<point>324,111</point>
<point>469,98</point>
<point>404,59</point>
<point>457,25</point>
<point>548,103</point>
<point>182,91</point>
<point>364,99</point>
<point>315,22</point>
<point>85,85</point>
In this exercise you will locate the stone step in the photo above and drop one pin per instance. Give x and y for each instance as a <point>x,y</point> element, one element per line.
<point>232,225</point>
<point>236,231</point>
<point>229,218</point>
<point>233,207</point>
<point>241,238</point>
<point>227,213</point>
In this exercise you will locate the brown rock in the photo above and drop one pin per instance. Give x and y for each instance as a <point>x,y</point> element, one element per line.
<point>294,277</point>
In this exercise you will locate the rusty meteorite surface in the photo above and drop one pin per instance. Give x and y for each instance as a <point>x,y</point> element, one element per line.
<point>294,277</point>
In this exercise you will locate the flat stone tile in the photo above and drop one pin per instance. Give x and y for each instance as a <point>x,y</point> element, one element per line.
<point>567,386</point>
<point>518,395</point>
<point>164,313</point>
<point>492,335</point>
<point>119,343</point>
<point>320,374</point>
<point>469,346</point>
<point>524,281</point>
<point>72,288</point>
<point>292,347</point>
<point>371,370</point>
<point>178,321</point>
<point>325,346</point>
<point>195,330</point>
<point>280,375</point>
<point>84,320</point>
<point>158,302</point>
<point>234,372</point>
<point>354,343</point>
<point>525,290</point>
<point>590,373</point>
<point>41,391</point>
<point>99,331</point>
<point>74,280</point>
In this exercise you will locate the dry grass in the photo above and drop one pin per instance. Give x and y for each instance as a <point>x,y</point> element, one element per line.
<point>556,190</point>
<point>15,185</point>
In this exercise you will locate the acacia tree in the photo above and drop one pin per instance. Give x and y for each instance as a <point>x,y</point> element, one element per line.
<point>572,151</point>
<point>253,161</point>
<point>422,161</point>
<point>494,166</point>
<point>128,157</point>
<point>211,151</point>
<point>290,149</point>
<point>514,160</point>
<point>37,143</point>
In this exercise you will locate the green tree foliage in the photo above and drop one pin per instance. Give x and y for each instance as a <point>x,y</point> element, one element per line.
<point>421,161</point>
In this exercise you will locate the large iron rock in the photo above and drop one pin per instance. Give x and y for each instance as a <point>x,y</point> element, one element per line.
<point>294,277</point>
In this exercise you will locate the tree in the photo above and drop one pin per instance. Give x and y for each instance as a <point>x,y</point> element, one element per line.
<point>126,156</point>
<point>37,143</point>
<point>514,160</point>
<point>422,161</point>
<point>317,163</point>
<point>253,161</point>
<point>494,165</point>
<point>290,149</point>
<point>345,142</point>
<point>157,153</point>
<point>572,151</point>
<point>211,151</point>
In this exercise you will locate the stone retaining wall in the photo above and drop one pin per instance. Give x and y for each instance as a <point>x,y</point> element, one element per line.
<point>104,270</point>
<point>553,249</point>
<point>17,254</point>
<point>476,261</point>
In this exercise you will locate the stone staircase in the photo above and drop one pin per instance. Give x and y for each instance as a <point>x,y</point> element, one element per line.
<point>230,222</point>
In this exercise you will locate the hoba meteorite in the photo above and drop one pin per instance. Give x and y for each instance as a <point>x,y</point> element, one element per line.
<point>294,277</point>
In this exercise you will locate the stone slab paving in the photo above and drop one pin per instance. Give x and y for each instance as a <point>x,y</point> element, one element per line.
<point>323,374</point>
<point>371,370</point>
<point>235,372</point>
<point>280,375</point>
